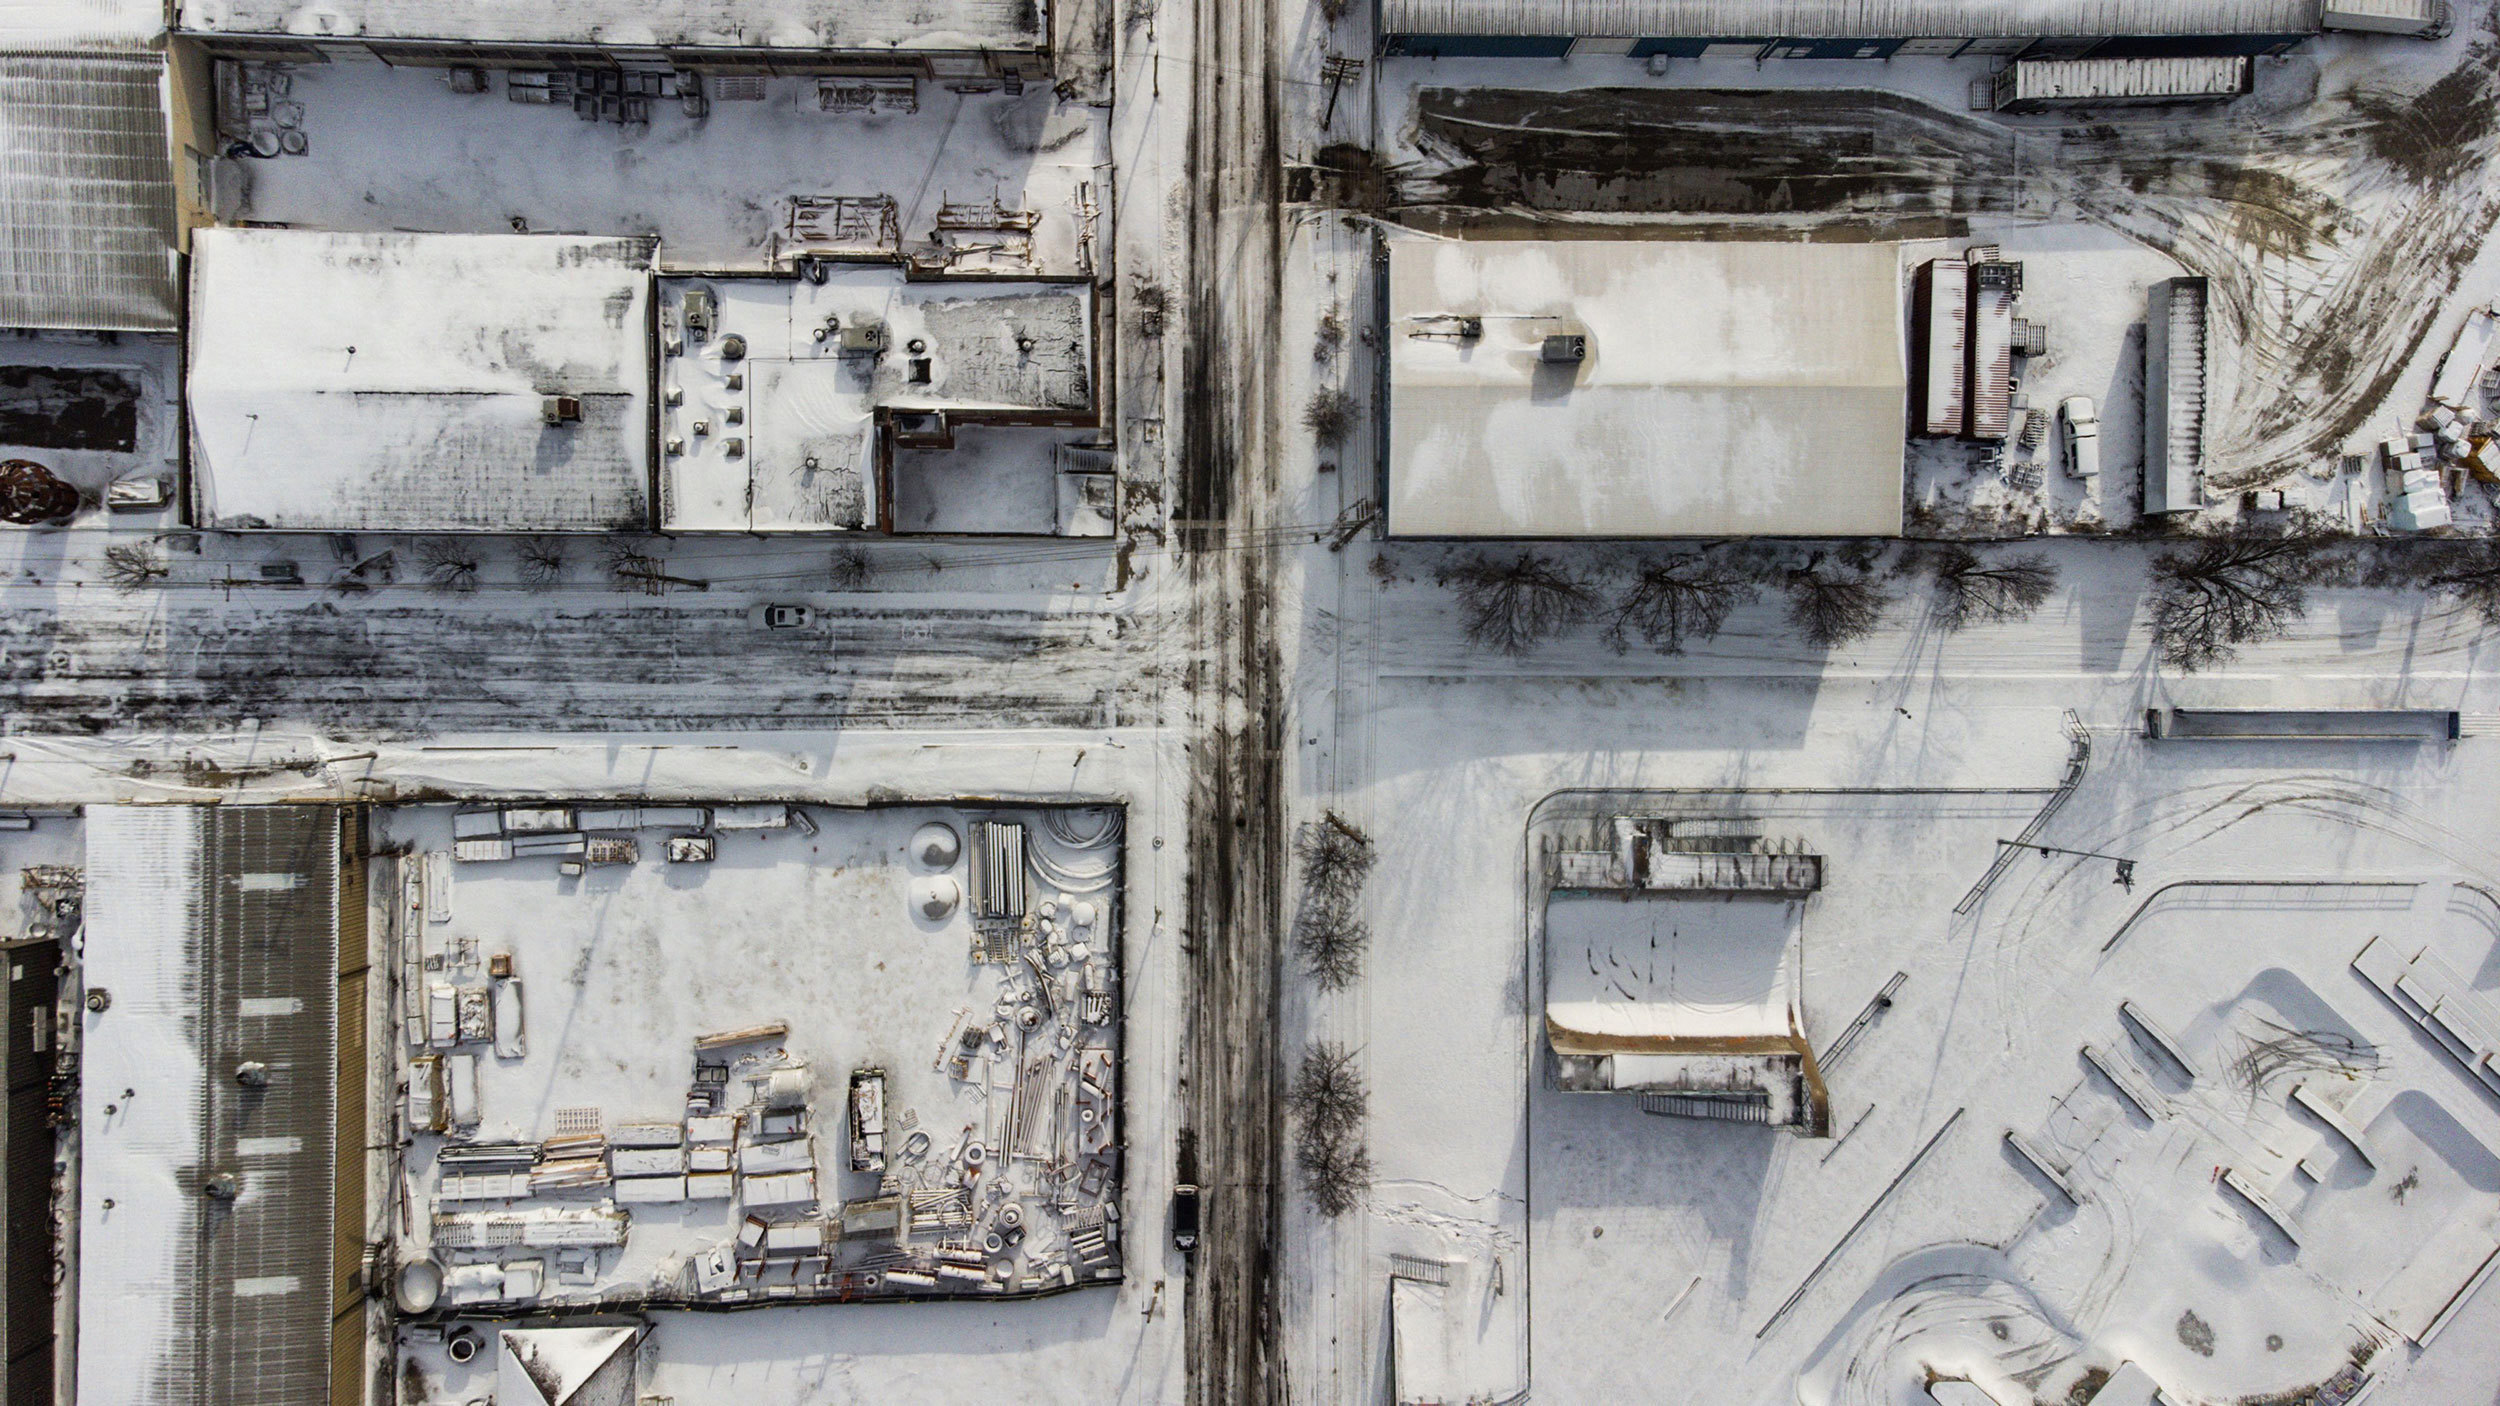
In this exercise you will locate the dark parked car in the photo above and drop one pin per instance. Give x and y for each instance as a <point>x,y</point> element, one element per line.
<point>1185,1217</point>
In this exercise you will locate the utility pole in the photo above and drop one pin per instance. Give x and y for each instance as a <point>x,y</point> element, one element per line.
<point>1337,70</point>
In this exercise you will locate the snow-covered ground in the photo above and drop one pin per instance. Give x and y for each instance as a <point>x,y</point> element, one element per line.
<point>1585,1251</point>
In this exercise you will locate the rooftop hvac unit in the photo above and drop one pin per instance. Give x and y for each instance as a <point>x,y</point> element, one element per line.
<point>861,337</point>
<point>736,87</point>
<point>1565,349</point>
<point>561,410</point>
<point>2030,338</point>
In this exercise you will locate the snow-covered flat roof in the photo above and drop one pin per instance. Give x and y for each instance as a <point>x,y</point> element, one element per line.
<point>1727,390</point>
<point>137,1219</point>
<point>753,24</point>
<point>398,382</point>
<point>81,24</point>
<point>1648,967</point>
<point>783,435</point>
<point>1848,19</point>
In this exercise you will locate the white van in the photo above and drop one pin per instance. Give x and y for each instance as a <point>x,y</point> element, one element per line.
<point>2079,436</point>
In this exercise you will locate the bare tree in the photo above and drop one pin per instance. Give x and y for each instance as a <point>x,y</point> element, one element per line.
<point>1328,1094</point>
<point>1680,599</point>
<point>632,569</point>
<point>1833,602</point>
<point>542,560</point>
<point>1514,604</point>
<point>134,566</point>
<point>1331,936</point>
<point>1336,857</point>
<point>1335,1173</point>
<point>1328,927</point>
<point>448,564</point>
<point>1971,588</point>
<point>2226,592</point>
<point>852,569</point>
<point>1329,1104</point>
<point>1330,415</point>
<point>2469,573</point>
<point>1331,337</point>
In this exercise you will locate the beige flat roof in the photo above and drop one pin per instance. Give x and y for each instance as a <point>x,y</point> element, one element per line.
<point>1729,389</point>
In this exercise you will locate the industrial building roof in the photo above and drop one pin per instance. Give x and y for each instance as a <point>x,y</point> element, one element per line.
<point>399,382</point>
<point>1848,19</point>
<point>776,24</point>
<point>212,932</point>
<point>86,193</point>
<point>784,435</point>
<point>1728,389</point>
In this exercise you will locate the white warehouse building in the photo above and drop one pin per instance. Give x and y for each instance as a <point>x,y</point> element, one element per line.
<point>1569,388</point>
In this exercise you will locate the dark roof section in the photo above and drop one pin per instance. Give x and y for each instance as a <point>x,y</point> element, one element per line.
<point>26,1154</point>
<point>263,1289</point>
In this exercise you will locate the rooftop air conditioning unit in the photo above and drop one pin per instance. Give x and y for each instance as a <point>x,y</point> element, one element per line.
<point>561,410</point>
<point>1565,349</point>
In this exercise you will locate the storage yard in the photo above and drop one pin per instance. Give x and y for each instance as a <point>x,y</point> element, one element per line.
<point>756,1054</point>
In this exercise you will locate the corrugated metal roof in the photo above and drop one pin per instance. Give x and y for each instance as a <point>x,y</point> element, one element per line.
<point>2083,79</point>
<point>1848,19</point>
<point>87,25</point>
<point>774,24</point>
<point>86,194</point>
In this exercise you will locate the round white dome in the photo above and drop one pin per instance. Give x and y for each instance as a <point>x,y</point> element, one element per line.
<point>935,896</point>
<point>936,846</point>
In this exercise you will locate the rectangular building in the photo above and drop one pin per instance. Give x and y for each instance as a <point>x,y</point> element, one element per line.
<point>27,1057</point>
<point>1940,345</point>
<point>942,37</point>
<point>87,196</point>
<point>212,1261</point>
<point>1994,288</point>
<point>2041,85</point>
<point>1721,389</point>
<point>2177,332</point>
<point>786,401</point>
<point>420,382</point>
<point>1842,29</point>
